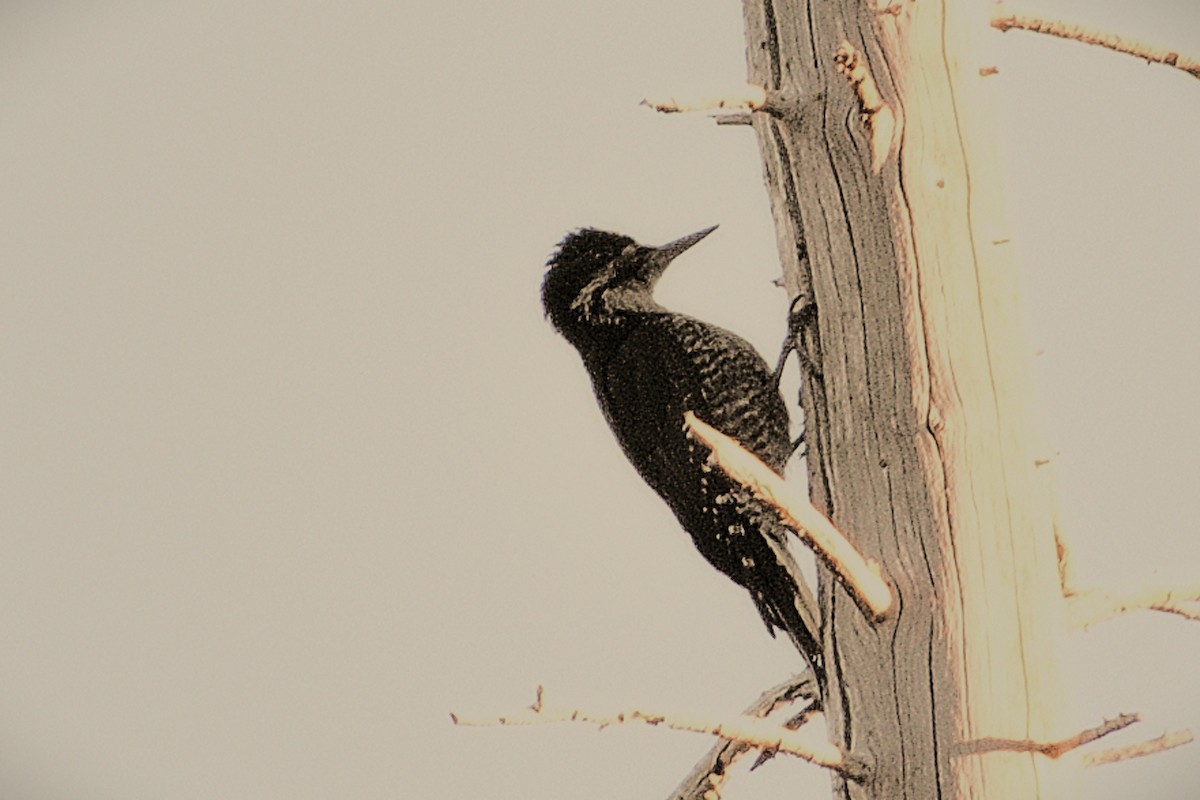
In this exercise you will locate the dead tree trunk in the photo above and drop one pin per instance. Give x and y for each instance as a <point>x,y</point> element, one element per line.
<point>906,316</point>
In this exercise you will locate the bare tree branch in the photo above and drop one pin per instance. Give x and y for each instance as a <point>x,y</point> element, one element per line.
<point>710,770</point>
<point>1088,607</point>
<point>1192,613</point>
<point>747,98</point>
<point>733,119</point>
<point>861,576</point>
<point>991,744</point>
<point>753,731</point>
<point>1165,742</point>
<point>1005,20</point>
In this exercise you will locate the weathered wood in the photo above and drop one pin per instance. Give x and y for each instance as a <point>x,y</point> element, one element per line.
<point>915,394</point>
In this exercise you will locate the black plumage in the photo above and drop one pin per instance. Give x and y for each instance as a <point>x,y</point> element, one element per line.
<point>648,366</point>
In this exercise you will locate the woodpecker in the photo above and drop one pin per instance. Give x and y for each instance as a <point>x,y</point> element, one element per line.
<point>648,366</point>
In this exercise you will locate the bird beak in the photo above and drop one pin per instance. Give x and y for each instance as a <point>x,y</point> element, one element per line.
<point>663,256</point>
<point>673,249</point>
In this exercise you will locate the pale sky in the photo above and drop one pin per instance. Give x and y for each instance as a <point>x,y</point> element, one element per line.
<point>294,466</point>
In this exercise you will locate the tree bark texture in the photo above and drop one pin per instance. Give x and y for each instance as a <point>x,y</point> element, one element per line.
<point>921,446</point>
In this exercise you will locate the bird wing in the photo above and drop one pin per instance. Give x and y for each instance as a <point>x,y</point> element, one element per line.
<point>670,364</point>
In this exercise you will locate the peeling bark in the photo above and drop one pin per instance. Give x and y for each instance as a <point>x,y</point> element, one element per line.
<point>915,392</point>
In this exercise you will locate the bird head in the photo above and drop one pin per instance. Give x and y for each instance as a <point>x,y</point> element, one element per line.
<point>597,278</point>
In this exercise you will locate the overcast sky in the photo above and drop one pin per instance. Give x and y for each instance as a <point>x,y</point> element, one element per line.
<point>293,465</point>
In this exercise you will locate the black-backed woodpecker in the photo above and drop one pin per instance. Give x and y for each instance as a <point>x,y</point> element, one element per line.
<point>648,366</point>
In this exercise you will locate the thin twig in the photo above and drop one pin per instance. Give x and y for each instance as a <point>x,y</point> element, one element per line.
<point>861,576</point>
<point>752,731</point>
<point>1056,749</point>
<point>1165,742</point>
<point>992,744</point>
<point>749,98</point>
<point>1179,610</point>
<point>733,119</point>
<point>1005,20</point>
<point>710,770</point>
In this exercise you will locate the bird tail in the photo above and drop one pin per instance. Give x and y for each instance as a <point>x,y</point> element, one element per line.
<point>785,602</point>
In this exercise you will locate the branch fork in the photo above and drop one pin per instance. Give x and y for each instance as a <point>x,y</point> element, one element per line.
<point>1061,747</point>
